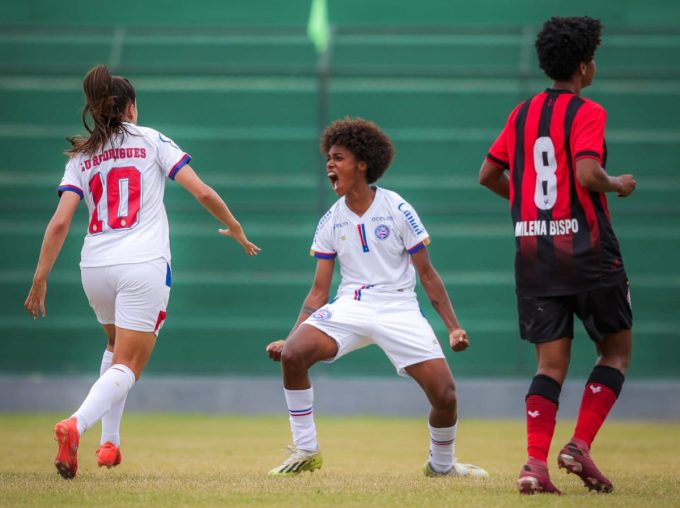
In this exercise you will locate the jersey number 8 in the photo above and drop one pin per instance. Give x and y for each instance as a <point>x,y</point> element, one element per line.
<point>545,164</point>
<point>123,191</point>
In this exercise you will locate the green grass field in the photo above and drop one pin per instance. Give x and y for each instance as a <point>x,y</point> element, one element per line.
<point>199,460</point>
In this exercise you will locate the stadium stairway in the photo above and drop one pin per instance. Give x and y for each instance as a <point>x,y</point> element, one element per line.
<point>244,104</point>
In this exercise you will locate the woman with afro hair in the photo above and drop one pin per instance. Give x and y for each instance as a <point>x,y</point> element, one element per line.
<point>380,244</point>
<point>567,258</point>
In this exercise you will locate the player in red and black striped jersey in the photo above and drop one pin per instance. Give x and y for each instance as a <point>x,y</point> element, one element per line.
<point>567,257</point>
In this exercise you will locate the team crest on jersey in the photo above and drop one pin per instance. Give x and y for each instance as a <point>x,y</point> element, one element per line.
<point>382,232</point>
<point>322,315</point>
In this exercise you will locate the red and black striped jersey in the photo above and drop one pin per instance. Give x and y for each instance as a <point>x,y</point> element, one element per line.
<point>565,243</point>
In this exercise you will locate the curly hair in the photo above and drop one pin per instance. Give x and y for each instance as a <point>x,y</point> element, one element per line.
<point>366,142</point>
<point>564,43</point>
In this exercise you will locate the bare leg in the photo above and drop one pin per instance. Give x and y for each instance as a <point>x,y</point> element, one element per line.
<point>110,331</point>
<point>553,358</point>
<point>436,380</point>
<point>133,349</point>
<point>131,353</point>
<point>305,347</point>
<point>615,350</point>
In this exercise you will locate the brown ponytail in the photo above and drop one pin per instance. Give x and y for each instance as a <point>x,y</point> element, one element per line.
<point>106,98</point>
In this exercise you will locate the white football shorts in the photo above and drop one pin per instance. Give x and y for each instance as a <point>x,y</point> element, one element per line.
<point>392,321</point>
<point>132,295</point>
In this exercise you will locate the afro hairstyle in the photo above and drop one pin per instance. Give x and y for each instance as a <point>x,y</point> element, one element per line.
<point>366,142</point>
<point>565,43</point>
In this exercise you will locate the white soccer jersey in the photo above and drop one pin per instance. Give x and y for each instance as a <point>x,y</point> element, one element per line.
<point>123,186</point>
<point>373,250</point>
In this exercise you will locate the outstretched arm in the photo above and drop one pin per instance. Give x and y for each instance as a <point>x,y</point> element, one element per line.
<point>316,298</point>
<point>439,298</point>
<point>211,201</point>
<point>495,178</point>
<point>594,178</point>
<point>55,234</point>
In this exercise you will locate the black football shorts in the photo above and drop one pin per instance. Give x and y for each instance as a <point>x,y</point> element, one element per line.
<point>602,311</point>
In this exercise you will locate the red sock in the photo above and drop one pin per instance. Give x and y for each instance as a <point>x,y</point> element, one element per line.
<point>541,417</point>
<point>597,400</point>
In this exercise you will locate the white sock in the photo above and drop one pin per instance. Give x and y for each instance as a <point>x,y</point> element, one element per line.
<point>301,415</point>
<point>107,359</point>
<point>442,447</point>
<point>111,420</point>
<point>110,388</point>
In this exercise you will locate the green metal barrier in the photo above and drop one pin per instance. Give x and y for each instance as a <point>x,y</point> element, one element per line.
<point>243,102</point>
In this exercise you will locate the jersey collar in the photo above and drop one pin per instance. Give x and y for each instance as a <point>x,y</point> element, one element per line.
<point>559,90</point>
<point>368,213</point>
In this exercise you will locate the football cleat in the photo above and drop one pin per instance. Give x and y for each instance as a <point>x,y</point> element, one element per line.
<point>67,437</point>
<point>108,455</point>
<point>458,469</point>
<point>535,479</point>
<point>297,462</point>
<point>576,459</point>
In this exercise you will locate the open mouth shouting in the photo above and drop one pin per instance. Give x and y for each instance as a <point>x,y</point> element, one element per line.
<point>333,177</point>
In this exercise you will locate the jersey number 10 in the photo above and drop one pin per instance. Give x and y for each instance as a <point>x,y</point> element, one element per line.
<point>123,191</point>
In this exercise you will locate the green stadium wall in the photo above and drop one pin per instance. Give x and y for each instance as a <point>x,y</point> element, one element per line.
<point>293,13</point>
<point>236,84</point>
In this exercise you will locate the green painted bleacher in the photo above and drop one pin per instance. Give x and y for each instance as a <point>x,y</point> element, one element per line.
<point>638,54</point>
<point>241,97</point>
<point>201,103</point>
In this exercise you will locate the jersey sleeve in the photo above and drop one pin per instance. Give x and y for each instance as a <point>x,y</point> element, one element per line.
<point>588,133</point>
<point>170,157</point>
<point>413,232</point>
<point>322,246</point>
<point>498,153</point>
<point>71,180</point>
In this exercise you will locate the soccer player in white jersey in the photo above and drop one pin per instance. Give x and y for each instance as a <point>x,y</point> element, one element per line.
<point>120,171</point>
<point>378,239</point>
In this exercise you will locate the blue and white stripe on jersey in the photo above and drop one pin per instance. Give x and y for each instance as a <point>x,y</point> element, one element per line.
<point>323,255</point>
<point>419,246</point>
<point>71,188</point>
<point>180,164</point>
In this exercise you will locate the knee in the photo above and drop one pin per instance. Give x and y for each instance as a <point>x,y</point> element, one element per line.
<point>554,362</point>
<point>445,398</point>
<point>554,368</point>
<point>615,350</point>
<point>294,359</point>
